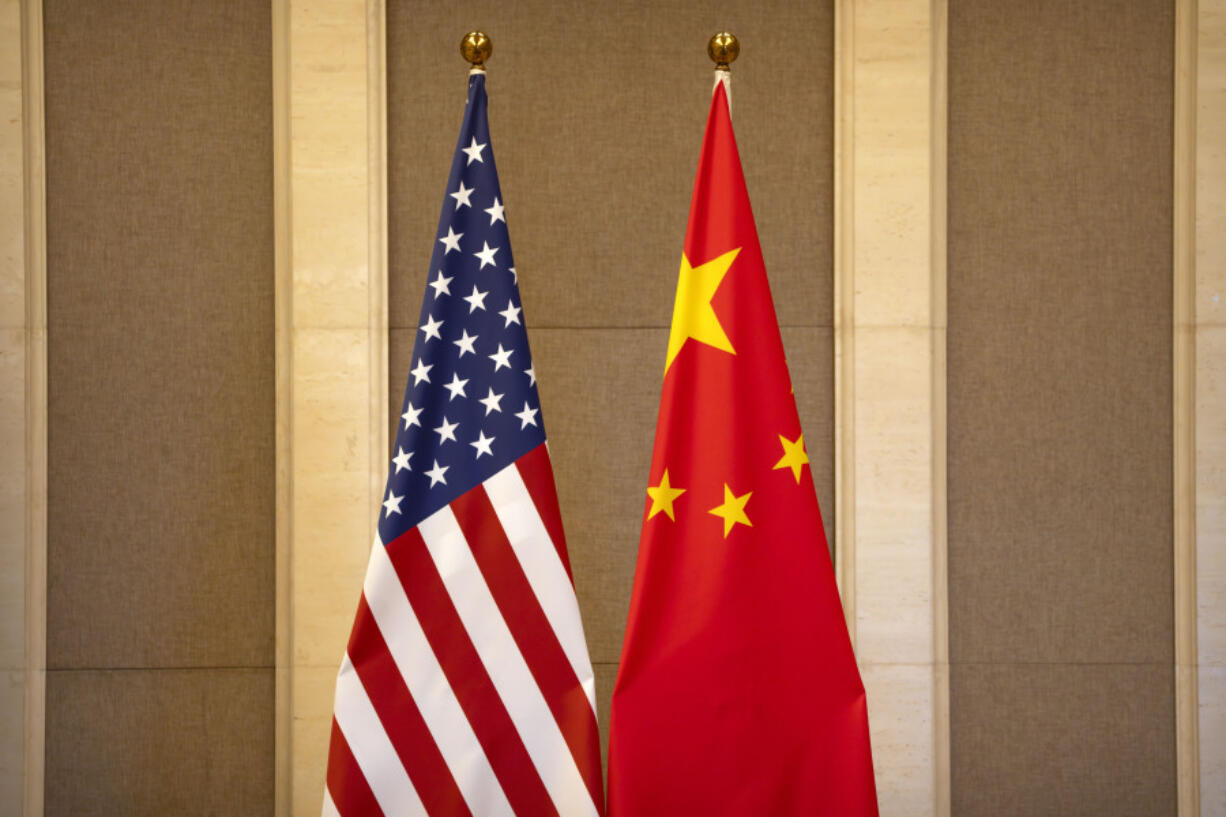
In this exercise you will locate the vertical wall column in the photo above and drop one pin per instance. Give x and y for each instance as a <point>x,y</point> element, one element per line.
<point>1183,404</point>
<point>890,377</point>
<point>1209,339</point>
<point>23,410</point>
<point>331,359</point>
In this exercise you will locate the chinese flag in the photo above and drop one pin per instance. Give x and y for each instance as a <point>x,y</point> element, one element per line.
<point>738,692</point>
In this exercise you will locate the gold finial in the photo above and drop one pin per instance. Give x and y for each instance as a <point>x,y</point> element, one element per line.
<point>723,49</point>
<point>476,48</point>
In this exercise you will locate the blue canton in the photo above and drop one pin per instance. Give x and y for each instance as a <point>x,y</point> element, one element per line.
<point>470,406</point>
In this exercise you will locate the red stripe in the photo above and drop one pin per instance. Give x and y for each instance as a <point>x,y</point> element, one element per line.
<point>532,632</point>
<point>401,718</point>
<point>537,471</point>
<point>467,676</point>
<point>350,792</point>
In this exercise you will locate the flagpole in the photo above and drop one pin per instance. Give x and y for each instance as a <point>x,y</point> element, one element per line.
<point>723,49</point>
<point>476,48</point>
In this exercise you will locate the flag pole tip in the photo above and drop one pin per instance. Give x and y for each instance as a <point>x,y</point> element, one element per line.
<point>723,49</point>
<point>476,48</point>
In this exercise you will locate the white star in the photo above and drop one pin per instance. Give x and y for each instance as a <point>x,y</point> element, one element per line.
<point>462,195</point>
<point>431,327</point>
<point>421,372</point>
<point>511,313</point>
<point>486,255</point>
<point>527,417</point>
<point>436,474</point>
<point>466,342</point>
<point>501,358</point>
<point>402,459</point>
<point>410,417</point>
<point>446,431</point>
<point>482,444</point>
<point>441,285</point>
<point>514,277</point>
<point>490,401</point>
<point>392,503</point>
<point>531,372</point>
<point>456,387</point>
<point>474,152</point>
<point>496,212</point>
<point>451,240</point>
<point>476,300</point>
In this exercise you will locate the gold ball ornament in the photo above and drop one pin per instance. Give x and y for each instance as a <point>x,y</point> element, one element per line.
<point>476,48</point>
<point>723,49</point>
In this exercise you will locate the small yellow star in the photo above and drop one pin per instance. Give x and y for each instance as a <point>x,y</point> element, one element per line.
<point>693,316</point>
<point>794,455</point>
<point>662,497</point>
<point>733,510</point>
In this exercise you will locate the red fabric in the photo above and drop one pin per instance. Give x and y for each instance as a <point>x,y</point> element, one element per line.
<point>738,693</point>
<point>401,719</point>
<point>536,469</point>
<point>469,678</point>
<point>347,787</point>
<point>533,634</point>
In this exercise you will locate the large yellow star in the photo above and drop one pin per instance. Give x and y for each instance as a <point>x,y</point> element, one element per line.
<point>794,455</point>
<point>693,316</point>
<point>662,497</point>
<point>733,510</point>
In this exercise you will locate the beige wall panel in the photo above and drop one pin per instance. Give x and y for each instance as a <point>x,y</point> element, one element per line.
<point>12,499</point>
<point>12,243</point>
<point>902,715</point>
<point>331,361</point>
<point>12,378</point>
<point>12,563</point>
<point>895,53</point>
<point>330,557</point>
<point>311,690</point>
<point>894,427</point>
<point>1060,407</point>
<point>1080,740</point>
<point>1210,407</point>
<point>159,742</point>
<point>890,371</point>
<point>1211,173</point>
<point>160,362</point>
<point>23,410</point>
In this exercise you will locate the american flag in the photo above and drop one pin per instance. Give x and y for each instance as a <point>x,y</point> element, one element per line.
<point>466,687</point>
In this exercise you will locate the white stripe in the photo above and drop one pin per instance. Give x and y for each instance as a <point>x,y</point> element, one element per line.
<point>434,697</point>
<point>371,748</point>
<point>505,664</point>
<point>539,558</point>
<point>329,809</point>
